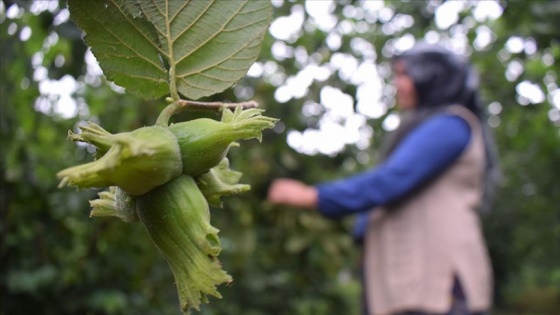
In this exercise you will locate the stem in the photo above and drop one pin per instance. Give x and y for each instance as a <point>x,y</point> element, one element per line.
<point>172,78</point>
<point>183,105</point>
<point>166,113</point>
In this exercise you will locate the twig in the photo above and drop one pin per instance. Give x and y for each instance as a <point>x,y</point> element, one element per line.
<point>215,105</point>
<point>183,105</point>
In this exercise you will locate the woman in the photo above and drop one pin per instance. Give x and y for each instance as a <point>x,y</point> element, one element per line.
<point>424,252</point>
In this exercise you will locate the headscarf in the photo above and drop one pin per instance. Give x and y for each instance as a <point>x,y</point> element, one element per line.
<point>441,79</point>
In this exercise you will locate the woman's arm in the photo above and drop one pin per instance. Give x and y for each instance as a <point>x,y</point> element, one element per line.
<point>423,154</point>
<point>293,193</point>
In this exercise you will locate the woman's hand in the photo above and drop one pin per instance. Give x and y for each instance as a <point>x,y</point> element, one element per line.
<point>292,193</point>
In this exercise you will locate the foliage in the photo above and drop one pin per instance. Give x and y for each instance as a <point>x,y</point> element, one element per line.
<point>57,261</point>
<point>197,48</point>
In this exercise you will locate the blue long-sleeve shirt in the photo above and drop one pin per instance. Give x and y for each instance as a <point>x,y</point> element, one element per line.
<point>422,155</point>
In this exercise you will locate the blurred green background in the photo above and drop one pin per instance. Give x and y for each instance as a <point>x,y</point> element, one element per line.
<point>56,260</point>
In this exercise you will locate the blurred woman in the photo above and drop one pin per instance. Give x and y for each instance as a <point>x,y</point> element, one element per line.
<point>424,252</point>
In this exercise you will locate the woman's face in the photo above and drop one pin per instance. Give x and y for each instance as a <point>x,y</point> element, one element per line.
<point>406,92</point>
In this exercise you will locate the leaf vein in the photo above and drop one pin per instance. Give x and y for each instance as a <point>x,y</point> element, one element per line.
<point>194,21</point>
<point>230,57</point>
<point>229,30</point>
<point>135,53</point>
<point>212,77</point>
<point>155,45</point>
<point>179,11</point>
<point>196,86</point>
<point>136,76</point>
<point>213,35</point>
<point>162,34</point>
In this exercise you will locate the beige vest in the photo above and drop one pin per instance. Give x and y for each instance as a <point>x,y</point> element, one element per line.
<point>413,251</point>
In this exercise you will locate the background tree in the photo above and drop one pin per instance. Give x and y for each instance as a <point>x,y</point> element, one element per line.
<point>324,71</point>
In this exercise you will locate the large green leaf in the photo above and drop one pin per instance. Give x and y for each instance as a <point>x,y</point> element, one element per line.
<point>152,48</point>
<point>125,45</point>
